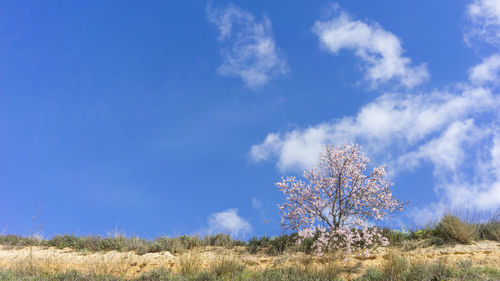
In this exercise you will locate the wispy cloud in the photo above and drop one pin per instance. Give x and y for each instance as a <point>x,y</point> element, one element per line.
<point>485,19</point>
<point>230,222</point>
<point>250,51</point>
<point>478,191</point>
<point>446,151</point>
<point>455,130</point>
<point>486,71</point>
<point>379,49</point>
<point>406,132</point>
<point>393,123</point>
<point>256,203</point>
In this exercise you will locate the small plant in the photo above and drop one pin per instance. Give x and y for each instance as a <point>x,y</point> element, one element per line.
<point>64,241</point>
<point>452,229</point>
<point>437,241</point>
<point>121,243</point>
<point>422,233</point>
<point>223,266</point>
<point>372,274</point>
<point>190,264</point>
<point>395,267</point>
<point>490,230</point>
<point>395,237</point>
<point>17,241</point>
<point>221,240</point>
<point>274,246</point>
<point>279,244</point>
<point>157,274</point>
<point>255,244</point>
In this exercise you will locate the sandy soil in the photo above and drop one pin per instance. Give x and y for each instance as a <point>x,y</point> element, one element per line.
<point>129,264</point>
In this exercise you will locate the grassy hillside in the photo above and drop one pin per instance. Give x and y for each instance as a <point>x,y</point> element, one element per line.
<point>449,250</point>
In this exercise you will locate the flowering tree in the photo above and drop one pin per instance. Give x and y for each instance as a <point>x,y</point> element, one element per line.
<point>339,194</point>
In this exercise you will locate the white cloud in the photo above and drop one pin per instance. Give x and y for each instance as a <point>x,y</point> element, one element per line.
<point>485,17</point>
<point>455,130</point>
<point>446,152</point>
<point>295,149</point>
<point>478,190</point>
<point>379,49</point>
<point>486,71</point>
<point>495,154</point>
<point>251,52</point>
<point>487,187</point>
<point>229,222</point>
<point>256,203</point>
<point>392,122</point>
<point>406,131</point>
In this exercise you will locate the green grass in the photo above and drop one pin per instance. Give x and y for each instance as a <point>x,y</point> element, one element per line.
<point>449,230</point>
<point>121,243</point>
<point>396,268</point>
<point>273,246</point>
<point>288,274</point>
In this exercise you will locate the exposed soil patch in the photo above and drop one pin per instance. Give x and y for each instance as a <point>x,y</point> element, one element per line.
<point>130,264</point>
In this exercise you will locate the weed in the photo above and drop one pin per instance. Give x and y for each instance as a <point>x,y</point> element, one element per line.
<point>449,229</point>
<point>190,264</point>
<point>490,230</point>
<point>452,229</point>
<point>223,266</point>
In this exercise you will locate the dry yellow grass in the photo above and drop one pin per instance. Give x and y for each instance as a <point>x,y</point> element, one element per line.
<point>130,264</point>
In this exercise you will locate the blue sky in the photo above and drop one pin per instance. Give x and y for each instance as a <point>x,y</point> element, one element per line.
<point>169,118</point>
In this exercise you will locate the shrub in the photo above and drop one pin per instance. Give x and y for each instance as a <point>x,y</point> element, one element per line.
<point>438,271</point>
<point>452,229</point>
<point>279,244</point>
<point>222,266</point>
<point>489,231</point>
<point>64,241</point>
<point>159,274</point>
<point>424,233</point>
<point>89,243</point>
<point>190,264</point>
<point>189,242</point>
<point>14,240</point>
<point>437,241</point>
<point>117,243</point>
<point>395,267</point>
<point>221,240</point>
<point>372,274</point>
<point>255,244</point>
<point>225,271</point>
<point>394,236</point>
<point>173,245</point>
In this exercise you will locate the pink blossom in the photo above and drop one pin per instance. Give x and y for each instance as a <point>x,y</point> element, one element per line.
<point>336,195</point>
